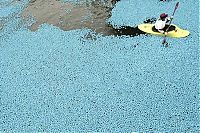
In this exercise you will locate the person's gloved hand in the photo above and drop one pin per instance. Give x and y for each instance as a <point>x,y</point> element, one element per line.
<point>172,17</point>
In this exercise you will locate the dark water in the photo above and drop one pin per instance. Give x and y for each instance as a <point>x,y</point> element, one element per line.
<point>1,25</point>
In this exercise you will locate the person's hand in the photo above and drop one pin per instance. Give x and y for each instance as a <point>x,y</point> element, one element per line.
<point>165,33</point>
<point>172,17</point>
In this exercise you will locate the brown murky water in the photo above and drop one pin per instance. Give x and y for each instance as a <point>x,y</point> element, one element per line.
<point>91,14</point>
<point>69,16</point>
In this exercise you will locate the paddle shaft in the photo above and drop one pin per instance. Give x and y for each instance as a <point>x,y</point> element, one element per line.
<point>164,40</point>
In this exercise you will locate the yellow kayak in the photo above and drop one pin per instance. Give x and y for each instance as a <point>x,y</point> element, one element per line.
<point>177,33</point>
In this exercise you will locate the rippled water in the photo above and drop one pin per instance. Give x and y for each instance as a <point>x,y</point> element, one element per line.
<point>57,81</point>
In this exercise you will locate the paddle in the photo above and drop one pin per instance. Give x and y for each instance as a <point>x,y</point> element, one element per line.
<point>164,40</point>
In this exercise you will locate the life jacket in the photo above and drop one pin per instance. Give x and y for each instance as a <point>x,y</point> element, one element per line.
<point>160,24</point>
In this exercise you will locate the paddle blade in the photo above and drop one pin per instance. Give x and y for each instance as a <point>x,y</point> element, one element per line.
<point>164,40</point>
<point>177,4</point>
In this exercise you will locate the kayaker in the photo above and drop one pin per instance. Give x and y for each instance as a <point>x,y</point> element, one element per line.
<point>161,23</point>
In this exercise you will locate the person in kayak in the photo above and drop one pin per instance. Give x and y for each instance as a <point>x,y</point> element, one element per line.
<point>161,23</point>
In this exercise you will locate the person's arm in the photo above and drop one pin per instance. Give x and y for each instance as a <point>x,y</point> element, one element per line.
<point>169,19</point>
